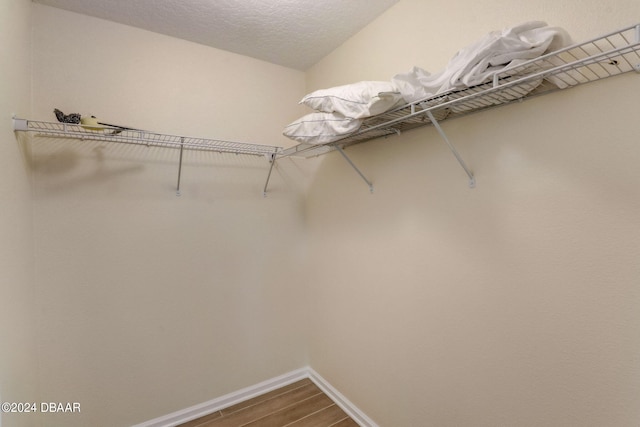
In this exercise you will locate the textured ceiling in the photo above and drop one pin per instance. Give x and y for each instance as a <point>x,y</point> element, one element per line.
<point>292,33</point>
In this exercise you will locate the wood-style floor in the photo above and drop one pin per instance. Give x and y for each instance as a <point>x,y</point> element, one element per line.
<point>301,404</point>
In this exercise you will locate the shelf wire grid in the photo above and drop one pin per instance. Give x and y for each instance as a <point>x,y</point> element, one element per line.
<point>140,137</point>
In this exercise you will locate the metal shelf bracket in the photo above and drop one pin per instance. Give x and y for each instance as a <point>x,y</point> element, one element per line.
<point>472,179</point>
<point>364,178</point>
<point>180,166</point>
<point>272,160</point>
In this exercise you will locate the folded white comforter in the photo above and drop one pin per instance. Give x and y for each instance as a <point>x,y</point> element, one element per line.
<point>478,62</point>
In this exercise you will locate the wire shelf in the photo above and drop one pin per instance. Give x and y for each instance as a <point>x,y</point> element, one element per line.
<point>140,137</point>
<point>606,56</point>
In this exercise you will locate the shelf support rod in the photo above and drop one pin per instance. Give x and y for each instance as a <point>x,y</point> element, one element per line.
<point>272,160</point>
<point>341,151</point>
<point>472,179</point>
<point>180,165</point>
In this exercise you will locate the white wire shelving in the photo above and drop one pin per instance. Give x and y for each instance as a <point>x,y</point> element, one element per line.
<point>116,134</point>
<point>609,55</point>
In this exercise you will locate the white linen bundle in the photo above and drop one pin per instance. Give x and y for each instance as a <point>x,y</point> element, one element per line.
<point>321,128</point>
<point>478,62</point>
<point>356,100</point>
<point>339,110</point>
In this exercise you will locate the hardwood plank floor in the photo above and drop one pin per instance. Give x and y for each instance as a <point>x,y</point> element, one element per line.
<point>301,404</point>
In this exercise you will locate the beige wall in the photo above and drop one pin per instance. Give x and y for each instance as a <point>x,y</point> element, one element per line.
<point>512,304</point>
<point>18,368</point>
<point>149,303</point>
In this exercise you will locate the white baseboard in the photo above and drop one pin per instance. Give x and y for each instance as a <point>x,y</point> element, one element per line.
<point>206,408</point>
<point>352,410</point>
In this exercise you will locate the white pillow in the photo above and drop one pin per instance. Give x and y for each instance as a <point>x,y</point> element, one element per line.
<point>356,100</point>
<point>321,128</point>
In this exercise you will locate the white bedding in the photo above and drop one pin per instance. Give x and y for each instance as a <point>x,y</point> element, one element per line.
<point>340,110</point>
<point>321,128</point>
<point>356,100</point>
<point>478,62</point>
